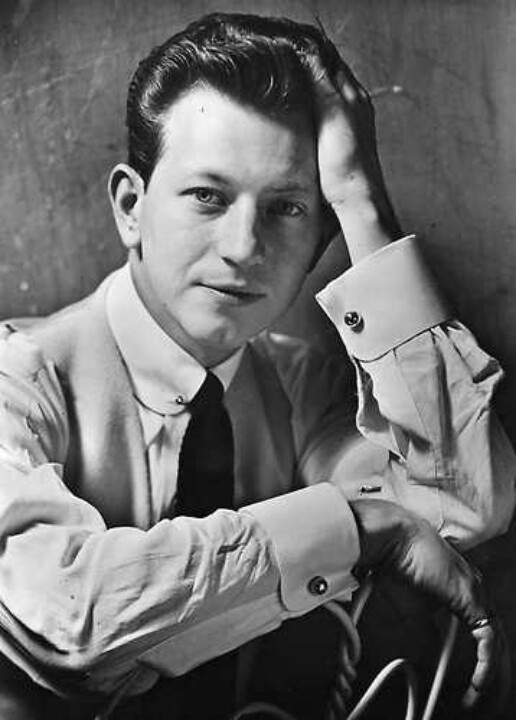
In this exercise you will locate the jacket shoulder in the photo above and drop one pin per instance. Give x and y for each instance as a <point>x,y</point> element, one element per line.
<point>61,335</point>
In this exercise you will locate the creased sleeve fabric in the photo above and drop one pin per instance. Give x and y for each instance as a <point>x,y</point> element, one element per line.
<point>82,605</point>
<point>429,436</point>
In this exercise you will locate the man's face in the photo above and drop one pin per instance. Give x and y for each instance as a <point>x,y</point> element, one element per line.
<point>229,223</point>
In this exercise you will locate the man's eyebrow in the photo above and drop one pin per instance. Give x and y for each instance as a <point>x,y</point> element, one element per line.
<point>292,187</point>
<point>209,176</point>
<point>289,186</point>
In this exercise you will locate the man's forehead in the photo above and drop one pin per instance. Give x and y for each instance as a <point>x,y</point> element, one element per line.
<point>199,97</point>
<point>207,131</point>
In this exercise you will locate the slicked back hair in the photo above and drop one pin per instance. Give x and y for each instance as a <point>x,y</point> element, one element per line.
<point>261,62</point>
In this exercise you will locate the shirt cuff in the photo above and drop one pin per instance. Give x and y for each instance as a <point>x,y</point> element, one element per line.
<point>384,300</point>
<point>314,536</point>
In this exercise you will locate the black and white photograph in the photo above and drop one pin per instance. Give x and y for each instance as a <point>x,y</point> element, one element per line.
<point>257,360</point>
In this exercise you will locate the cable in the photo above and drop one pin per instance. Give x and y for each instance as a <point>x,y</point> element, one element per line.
<point>349,656</point>
<point>361,598</point>
<point>442,667</point>
<point>349,653</point>
<point>119,693</point>
<point>263,708</point>
<point>377,685</point>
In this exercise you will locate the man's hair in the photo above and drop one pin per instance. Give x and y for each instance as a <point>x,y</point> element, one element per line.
<point>261,62</point>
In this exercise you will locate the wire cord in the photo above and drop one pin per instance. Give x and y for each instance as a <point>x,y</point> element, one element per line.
<point>349,656</point>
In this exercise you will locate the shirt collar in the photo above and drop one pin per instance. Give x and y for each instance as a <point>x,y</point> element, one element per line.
<point>164,376</point>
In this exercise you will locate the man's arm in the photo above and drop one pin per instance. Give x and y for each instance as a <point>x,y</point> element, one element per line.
<point>168,598</point>
<point>432,440</point>
<point>109,594</point>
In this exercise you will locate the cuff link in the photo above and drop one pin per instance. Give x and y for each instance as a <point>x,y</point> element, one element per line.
<point>317,585</point>
<point>353,320</point>
<point>368,489</point>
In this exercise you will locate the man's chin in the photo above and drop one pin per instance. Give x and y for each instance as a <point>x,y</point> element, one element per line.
<point>217,339</point>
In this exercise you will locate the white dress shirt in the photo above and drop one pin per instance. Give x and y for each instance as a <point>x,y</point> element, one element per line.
<point>164,378</point>
<point>427,439</point>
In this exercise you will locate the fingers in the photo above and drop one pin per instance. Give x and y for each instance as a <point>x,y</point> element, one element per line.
<point>465,594</point>
<point>433,565</point>
<point>491,677</point>
<point>349,83</point>
<point>467,598</point>
<point>473,608</point>
<point>487,640</point>
<point>327,90</point>
<point>345,105</point>
<point>341,83</point>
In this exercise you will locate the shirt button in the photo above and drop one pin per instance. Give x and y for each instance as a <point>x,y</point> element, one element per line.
<point>317,585</point>
<point>353,320</point>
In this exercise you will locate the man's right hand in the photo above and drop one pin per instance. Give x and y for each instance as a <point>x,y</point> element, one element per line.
<point>399,542</point>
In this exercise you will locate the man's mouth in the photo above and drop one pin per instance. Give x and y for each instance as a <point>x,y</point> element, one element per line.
<point>237,293</point>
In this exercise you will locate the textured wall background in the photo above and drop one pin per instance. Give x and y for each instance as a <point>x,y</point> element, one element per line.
<point>447,140</point>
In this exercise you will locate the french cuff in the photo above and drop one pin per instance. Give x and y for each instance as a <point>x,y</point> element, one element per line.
<point>384,300</point>
<point>314,536</point>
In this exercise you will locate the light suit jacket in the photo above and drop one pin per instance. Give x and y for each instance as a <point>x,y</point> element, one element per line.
<point>106,463</point>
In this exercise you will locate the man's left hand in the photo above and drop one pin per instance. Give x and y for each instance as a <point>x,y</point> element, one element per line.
<point>350,172</point>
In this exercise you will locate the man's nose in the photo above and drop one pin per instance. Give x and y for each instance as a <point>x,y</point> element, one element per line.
<point>240,237</point>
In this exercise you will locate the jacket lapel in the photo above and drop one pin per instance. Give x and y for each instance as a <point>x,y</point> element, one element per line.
<point>106,462</point>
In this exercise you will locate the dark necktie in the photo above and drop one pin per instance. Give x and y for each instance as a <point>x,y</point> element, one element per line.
<point>205,475</point>
<point>205,483</point>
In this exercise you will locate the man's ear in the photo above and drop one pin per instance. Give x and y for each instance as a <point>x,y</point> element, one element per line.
<point>329,229</point>
<point>126,191</point>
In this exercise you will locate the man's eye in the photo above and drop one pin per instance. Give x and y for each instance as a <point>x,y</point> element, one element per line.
<point>208,196</point>
<point>285,208</point>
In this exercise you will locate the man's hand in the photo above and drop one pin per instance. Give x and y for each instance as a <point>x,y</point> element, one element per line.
<point>350,173</point>
<point>401,543</point>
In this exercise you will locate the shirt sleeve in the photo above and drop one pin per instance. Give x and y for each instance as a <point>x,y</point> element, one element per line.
<point>83,605</point>
<point>429,437</point>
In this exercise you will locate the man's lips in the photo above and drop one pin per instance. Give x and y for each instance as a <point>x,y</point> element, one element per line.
<point>239,292</point>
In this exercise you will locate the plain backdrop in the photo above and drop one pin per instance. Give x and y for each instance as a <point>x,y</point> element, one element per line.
<point>442,75</point>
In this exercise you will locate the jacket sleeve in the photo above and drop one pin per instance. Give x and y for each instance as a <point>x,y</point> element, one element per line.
<point>424,432</point>
<point>82,606</point>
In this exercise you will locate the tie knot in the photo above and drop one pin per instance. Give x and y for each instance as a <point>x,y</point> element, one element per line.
<point>209,395</point>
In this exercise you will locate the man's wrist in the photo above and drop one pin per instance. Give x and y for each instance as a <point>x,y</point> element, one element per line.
<point>365,228</point>
<point>381,524</point>
<point>313,536</point>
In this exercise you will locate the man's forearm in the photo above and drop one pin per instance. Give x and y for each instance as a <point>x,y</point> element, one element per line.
<point>365,227</point>
<point>456,468</point>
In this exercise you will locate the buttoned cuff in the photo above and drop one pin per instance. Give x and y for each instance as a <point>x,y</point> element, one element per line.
<point>384,300</point>
<point>315,539</point>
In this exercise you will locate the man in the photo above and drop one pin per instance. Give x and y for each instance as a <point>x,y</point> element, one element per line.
<point>249,140</point>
